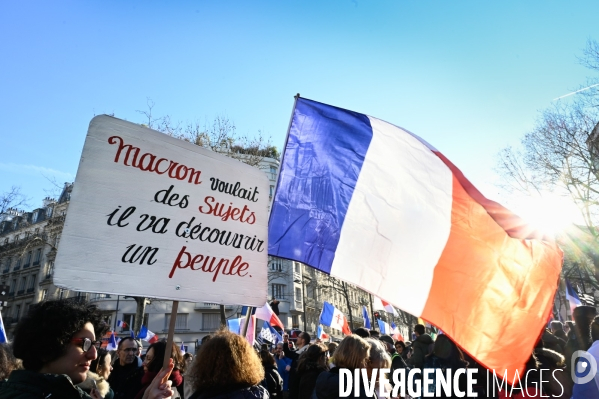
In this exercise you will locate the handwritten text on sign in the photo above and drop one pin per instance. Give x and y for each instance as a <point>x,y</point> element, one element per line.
<point>154,216</point>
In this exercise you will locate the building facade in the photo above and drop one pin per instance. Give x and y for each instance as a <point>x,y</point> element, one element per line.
<point>29,242</point>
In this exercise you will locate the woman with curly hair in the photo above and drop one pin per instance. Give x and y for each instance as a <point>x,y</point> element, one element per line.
<point>309,366</point>
<point>153,363</point>
<point>56,341</point>
<point>227,367</point>
<point>8,362</point>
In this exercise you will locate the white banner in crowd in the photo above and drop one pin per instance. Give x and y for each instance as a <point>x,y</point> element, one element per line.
<point>154,216</point>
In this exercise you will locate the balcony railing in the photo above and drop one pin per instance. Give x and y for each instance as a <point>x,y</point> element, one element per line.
<point>36,263</point>
<point>17,268</point>
<point>20,292</point>
<point>30,290</point>
<point>5,271</point>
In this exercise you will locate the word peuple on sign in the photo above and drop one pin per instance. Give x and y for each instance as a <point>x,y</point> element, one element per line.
<point>151,215</point>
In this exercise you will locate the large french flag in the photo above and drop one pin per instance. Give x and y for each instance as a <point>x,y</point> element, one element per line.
<point>373,204</point>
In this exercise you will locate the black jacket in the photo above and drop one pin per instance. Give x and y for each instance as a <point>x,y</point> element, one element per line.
<point>294,356</point>
<point>254,392</point>
<point>421,347</point>
<point>327,386</point>
<point>125,380</point>
<point>24,384</point>
<point>273,382</point>
<point>307,381</point>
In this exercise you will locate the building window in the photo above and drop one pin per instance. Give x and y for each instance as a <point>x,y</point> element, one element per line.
<point>272,190</point>
<point>27,260</point>
<point>61,293</point>
<point>50,269</point>
<point>180,322</point>
<point>17,313</point>
<point>31,283</point>
<point>13,286</point>
<point>210,321</point>
<point>276,264</point>
<point>18,264</point>
<point>38,256</point>
<point>44,295</point>
<point>7,265</point>
<point>296,265</point>
<point>298,294</point>
<point>295,321</point>
<point>278,290</point>
<point>22,285</point>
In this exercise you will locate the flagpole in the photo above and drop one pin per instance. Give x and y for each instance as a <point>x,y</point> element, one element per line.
<point>374,322</point>
<point>250,309</point>
<point>246,322</point>
<point>171,333</point>
<point>116,312</point>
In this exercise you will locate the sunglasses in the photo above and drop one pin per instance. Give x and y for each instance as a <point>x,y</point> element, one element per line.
<point>86,343</point>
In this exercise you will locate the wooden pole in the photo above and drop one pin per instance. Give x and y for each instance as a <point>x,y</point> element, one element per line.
<point>171,333</point>
<point>246,322</point>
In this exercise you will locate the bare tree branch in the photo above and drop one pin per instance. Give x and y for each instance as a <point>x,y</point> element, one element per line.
<point>12,199</point>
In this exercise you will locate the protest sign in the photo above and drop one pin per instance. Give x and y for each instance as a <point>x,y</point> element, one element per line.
<point>154,216</point>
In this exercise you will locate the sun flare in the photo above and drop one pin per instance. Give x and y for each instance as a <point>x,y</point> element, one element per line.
<point>548,212</point>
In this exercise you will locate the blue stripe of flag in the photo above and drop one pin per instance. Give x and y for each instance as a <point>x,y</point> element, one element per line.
<point>323,157</point>
<point>326,316</point>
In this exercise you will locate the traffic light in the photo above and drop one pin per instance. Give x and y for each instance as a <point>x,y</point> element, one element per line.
<point>377,315</point>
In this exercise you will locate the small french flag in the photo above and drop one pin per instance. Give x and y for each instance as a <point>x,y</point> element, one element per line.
<point>379,304</point>
<point>182,348</point>
<point>321,334</point>
<point>384,327</point>
<point>112,343</point>
<point>266,313</point>
<point>332,317</point>
<point>572,297</point>
<point>396,335</point>
<point>122,324</point>
<point>147,335</point>
<point>366,319</point>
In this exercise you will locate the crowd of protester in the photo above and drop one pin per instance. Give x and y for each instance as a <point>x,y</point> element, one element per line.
<point>56,353</point>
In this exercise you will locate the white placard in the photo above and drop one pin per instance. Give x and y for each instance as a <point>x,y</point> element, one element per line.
<point>154,216</point>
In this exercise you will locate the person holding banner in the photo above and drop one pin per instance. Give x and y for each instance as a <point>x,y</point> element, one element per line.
<point>153,363</point>
<point>57,343</point>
